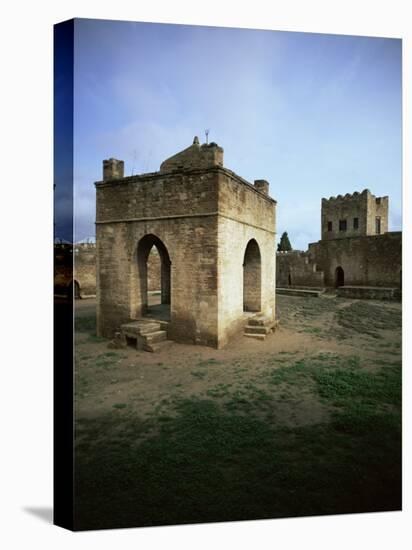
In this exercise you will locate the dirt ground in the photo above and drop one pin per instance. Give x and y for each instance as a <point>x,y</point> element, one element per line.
<point>307,422</point>
<point>145,382</point>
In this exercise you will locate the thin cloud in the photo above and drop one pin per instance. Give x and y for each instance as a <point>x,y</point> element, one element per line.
<point>315,115</point>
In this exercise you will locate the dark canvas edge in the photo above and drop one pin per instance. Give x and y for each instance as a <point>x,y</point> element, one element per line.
<point>63,417</point>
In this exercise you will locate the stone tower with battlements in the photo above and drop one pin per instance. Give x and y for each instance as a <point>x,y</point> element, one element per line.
<point>356,215</point>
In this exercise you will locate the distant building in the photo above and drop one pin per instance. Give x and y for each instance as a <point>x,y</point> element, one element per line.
<point>75,269</point>
<point>356,215</point>
<point>356,248</point>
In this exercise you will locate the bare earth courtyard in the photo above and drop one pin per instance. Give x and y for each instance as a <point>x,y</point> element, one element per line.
<point>306,422</point>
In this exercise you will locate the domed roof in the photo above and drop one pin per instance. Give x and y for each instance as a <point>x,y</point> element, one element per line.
<point>195,156</point>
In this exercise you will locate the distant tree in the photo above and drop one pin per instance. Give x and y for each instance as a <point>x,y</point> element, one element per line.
<point>284,245</point>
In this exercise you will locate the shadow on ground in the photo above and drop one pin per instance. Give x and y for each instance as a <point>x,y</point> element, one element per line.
<point>209,464</point>
<point>43,513</point>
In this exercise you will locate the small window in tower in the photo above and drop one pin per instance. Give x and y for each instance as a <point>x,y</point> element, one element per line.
<point>329,226</point>
<point>342,225</point>
<point>355,223</point>
<point>378,225</point>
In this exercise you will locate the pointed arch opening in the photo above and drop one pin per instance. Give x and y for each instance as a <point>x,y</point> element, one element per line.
<point>252,277</point>
<point>339,277</point>
<point>154,303</point>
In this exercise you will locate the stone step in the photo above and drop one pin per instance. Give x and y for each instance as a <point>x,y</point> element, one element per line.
<point>253,335</point>
<point>148,334</point>
<point>158,346</point>
<point>260,321</point>
<point>257,329</point>
<point>155,337</point>
<point>149,328</point>
<point>139,327</point>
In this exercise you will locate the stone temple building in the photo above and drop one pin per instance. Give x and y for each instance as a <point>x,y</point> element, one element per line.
<point>215,235</point>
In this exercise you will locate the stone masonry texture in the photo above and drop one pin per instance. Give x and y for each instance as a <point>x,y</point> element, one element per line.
<point>75,265</point>
<point>201,217</point>
<point>363,207</point>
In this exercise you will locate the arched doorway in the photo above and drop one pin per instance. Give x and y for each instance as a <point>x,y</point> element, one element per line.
<point>154,304</point>
<point>252,277</point>
<point>73,290</point>
<point>339,277</point>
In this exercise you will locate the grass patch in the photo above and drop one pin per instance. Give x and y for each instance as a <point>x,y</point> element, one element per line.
<point>94,339</point>
<point>120,405</point>
<point>85,324</point>
<point>303,308</point>
<point>312,330</point>
<point>210,464</point>
<point>199,374</point>
<point>105,363</point>
<point>219,391</point>
<point>227,457</point>
<point>351,386</point>
<point>209,362</point>
<point>365,318</point>
<point>287,374</point>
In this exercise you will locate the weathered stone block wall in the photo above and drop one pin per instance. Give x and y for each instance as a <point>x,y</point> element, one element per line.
<point>204,217</point>
<point>363,206</point>
<point>245,214</point>
<point>295,268</point>
<point>113,277</point>
<point>192,248</point>
<point>370,261</point>
<point>85,269</point>
<point>153,270</point>
<point>181,210</point>
<point>78,264</point>
<point>377,207</point>
<point>346,208</point>
<point>369,293</point>
<point>232,246</point>
<point>241,201</point>
<point>113,169</point>
<point>155,195</point>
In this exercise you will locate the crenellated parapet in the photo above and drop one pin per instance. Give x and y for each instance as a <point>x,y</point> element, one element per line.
<point>348,196</point>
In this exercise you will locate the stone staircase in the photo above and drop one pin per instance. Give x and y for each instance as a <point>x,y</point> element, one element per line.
<point>148,334</point>
<point>259,326</point>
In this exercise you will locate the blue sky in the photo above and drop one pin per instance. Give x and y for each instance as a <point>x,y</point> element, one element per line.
<point>315,115</point>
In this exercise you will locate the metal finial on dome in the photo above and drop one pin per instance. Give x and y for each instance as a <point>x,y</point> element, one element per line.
<point>196,141</point>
